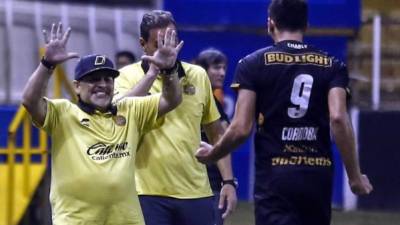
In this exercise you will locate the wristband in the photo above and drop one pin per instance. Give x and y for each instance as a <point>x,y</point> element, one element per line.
<point>232,182</point>
<point>47,64</point>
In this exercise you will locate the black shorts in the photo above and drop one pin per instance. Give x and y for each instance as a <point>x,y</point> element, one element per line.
<point>275,210</point>
<point>294,199</point>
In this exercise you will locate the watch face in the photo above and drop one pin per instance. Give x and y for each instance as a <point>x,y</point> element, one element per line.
<point>236,182</point>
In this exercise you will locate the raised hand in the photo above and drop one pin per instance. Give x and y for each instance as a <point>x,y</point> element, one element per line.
<point>167,50</point>
<point>55,51</point>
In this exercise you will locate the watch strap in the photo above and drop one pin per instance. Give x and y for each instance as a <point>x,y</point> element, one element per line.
<point>47,64</point>
<point>232,182</point>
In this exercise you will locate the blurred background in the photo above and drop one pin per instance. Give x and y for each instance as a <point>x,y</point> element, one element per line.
<point>363,33</point>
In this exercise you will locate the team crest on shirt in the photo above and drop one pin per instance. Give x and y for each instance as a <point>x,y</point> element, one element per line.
<point>120,120</point>
<point>189,89</point>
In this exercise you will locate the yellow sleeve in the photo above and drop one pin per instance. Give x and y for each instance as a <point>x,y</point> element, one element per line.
<point>55,108</point>
<point>144,110</point>
<point>211,113</point>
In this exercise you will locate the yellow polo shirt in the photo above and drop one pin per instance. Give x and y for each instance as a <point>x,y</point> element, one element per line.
<point>165,162</point>
<point>93,161</point>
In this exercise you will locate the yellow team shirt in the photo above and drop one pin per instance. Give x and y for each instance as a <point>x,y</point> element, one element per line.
<point>93,161</point>
<point>165,161</point>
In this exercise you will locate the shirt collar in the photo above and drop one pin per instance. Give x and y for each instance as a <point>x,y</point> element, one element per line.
<point>287,43</point>
<point>90,109</point>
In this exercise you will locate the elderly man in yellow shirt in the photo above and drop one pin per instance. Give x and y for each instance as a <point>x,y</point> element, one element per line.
<point>94,142</point>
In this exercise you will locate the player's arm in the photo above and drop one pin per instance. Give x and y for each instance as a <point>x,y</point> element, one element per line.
<point>143,86</point>
<point>35,89</point>
<point>171,95</point>
<point>344,137</point>
<point>165,59</point>
<point>214,132</point>
<point>237,131</point>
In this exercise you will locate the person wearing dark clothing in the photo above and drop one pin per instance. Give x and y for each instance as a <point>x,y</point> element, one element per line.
<point>297,94</point>
<point>215,62</point>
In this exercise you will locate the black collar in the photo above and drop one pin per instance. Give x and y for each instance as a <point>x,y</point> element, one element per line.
<point>90,109</point>
<point>285,43</point>
<point>181,72</point>
<point>288,41</point>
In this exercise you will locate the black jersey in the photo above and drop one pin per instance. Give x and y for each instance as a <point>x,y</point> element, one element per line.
<point>291,81</point>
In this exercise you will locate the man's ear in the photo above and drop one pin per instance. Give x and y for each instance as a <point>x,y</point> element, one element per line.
<point>76,85</point>
<point>142,43</point>
<point>271,26</point>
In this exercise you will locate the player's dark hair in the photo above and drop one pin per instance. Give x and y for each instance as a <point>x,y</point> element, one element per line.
<point>155,19</point>
<point>290,15</point>
<point>210,56</point>
<point>126,54</point>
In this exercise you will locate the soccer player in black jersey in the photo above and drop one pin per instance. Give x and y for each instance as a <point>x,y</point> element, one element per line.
<point>297,93</point>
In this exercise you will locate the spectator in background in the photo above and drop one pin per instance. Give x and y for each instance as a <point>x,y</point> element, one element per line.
<point>123,58</point>
<point>298,94</point>
<point>173,187</point>
<point>215,63</point>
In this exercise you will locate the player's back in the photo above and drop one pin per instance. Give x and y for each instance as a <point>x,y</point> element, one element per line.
<point>291,80</point>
